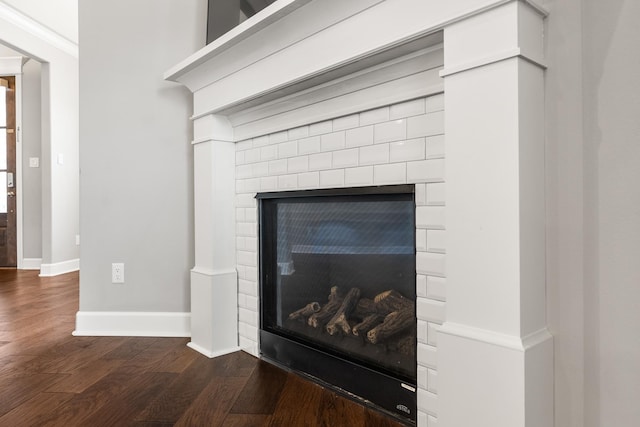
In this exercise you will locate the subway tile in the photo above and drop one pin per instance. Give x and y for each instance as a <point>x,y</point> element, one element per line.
<point>420,194</point>
<point>427,401</point>
<point>240,214</point>
<point>277,167</point>
<point>431,217</point>
<point>260,141</point>
<point>436,241</point>
<point>298,164</point>
<point>378,115</point>
<point>297,133</point>
<point>421,285</point>
<point>359,176</point>
<point>269,183</point>
<point>320,161</point>
<point>332,178</point>
<point>278,137</point>
<point>332,141</point>
<point>430,310</point>
<point>243,171</point>
<point>251,243</point>
<point>309,145</point>
<point>346,122</point>
<point>288,149</point>
<point>246,258</point>
<point>430,264</point>
<point>288,182</point>
<point>435,194</point>
<point>427,356</point>
<point>435,103</point>
<point>259,169</point>
<point>374,154</point>
<point>247,287</point>
<point>425,125</point>
<point>269,152</point>
<point>423,331</point>
<point>421,240</point>
<point>423,377</point>
<point>359,137</point>
<point>251,214</point>
<point>394,130</point>
<point>435,147</point>
<point>431,170</point>
<point>252,156</point>
<point>404,151</point>
<point>309,180</point>
<point>432,380</point>
<point>395,173</point>
<point>251,185</point>
<point>244,145</point>
<point>437,288</point>
<point>321,128</point>
<point>240,158</point>
<point>245,201</point>
<point>345,158</point>
<point>432,333</point>
<point>407,109</point>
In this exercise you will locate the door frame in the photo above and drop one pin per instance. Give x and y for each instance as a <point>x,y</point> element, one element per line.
<point>12,66</point>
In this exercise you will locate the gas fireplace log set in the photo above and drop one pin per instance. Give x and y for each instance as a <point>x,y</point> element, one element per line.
<point>387,317</point>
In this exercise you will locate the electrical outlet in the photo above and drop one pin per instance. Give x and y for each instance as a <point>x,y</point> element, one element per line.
<point>117,272</point>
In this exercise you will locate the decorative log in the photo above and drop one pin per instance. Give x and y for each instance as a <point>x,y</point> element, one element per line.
<point>367,324</point>
<point>364,308</point>
<point>339,321</point>
<point>327,311</point>
<point>393,324</point>
<point>335,293</point>
<point>390,301</point>
<point>407,345</point>
<point>306,311</point>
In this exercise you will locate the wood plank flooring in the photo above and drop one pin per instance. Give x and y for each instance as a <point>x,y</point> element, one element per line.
<point>50,378</point>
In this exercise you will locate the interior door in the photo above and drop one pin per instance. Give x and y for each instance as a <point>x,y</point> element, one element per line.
<point>8,240</point>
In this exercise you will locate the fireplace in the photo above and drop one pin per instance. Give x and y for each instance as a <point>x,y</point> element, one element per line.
<point>337,285</point>
<point>309,97</point>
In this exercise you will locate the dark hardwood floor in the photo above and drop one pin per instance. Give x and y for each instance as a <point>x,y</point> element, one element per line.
<point>50,378</point>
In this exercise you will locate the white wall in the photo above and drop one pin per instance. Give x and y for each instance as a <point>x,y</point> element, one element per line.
<point>136,156</point>
<point>593,210</point>
<point>31,147</point>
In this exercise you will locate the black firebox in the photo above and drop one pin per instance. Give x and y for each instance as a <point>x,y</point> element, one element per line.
<point>337,290</point>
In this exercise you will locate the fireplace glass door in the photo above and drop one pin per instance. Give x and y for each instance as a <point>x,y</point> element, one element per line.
<point>338,274</point>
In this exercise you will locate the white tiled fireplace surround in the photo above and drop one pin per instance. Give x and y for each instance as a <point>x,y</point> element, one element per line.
<point>324,94</point>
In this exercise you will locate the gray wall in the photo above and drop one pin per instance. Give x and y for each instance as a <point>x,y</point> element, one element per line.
<point>593,204</point>
<point>135,153</point>
<point>31,147</point>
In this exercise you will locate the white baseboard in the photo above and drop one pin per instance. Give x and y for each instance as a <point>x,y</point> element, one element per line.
<point>31,264</point>
<point>209,354</point>
<point>132,324</point>
<point>48,270</point>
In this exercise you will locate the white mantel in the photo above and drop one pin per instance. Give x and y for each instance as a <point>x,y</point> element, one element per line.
<point>494,353</point>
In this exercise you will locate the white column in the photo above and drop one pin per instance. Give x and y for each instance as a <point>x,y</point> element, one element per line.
<point>214,293</point>
<point>495,355</point>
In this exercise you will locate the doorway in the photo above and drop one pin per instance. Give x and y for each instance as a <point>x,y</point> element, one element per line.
<point>8,232</point>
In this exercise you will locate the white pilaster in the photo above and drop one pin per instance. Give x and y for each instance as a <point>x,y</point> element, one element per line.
<point>214,293</point>
<point>495,365</point>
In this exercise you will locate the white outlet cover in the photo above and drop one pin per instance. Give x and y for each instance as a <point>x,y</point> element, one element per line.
<point>34,162</point>
<point>117,272</point>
